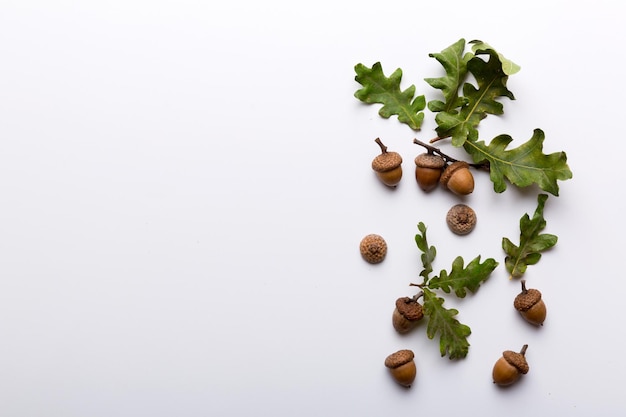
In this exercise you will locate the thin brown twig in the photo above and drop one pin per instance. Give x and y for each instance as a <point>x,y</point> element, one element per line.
<point>433,150</point>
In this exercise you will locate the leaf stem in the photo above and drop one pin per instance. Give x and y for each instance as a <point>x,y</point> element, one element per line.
<point>437,139</point>
<point>433,150</point>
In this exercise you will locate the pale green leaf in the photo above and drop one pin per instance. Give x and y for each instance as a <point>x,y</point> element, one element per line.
<point>509,67</point>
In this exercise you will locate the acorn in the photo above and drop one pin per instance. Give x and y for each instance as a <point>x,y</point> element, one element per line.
<point>461,219</point>
<point>387,166</point>
<point>407,314</point>
<point>510,367</point>
<point>428,169</point>
<point>402,367</point>
<point>530,305</point>
<point>458,178</point>
<point>373,248</point>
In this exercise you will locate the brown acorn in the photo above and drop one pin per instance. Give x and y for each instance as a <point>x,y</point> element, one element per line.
<point>530,305</point>
<point>510,367</point>
<point>407,314</point>
<point>373,248</point>
<point>428,169</point>
<point>402,367</point>
<point>458,178</point>
<point>461,219</point>
<point>388,166</point>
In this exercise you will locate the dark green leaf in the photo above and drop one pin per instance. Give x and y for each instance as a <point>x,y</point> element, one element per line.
<point>428,253</point>
<point>461,279</point>
<point>522,166</point>
<point>480,102</point>
<point>455,64</point>
<point>532,242</point>
<point>441,321</point>
<point>377,88</point>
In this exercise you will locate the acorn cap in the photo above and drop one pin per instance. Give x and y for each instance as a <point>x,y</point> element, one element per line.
<point>409,308</point>
<point>461,219</point>
<point>399,358</point>
<point>451,169</point>
<point>429,160</point>
<point>517,360</point>
<point>526,299</point>
<point>386,161</point>
<point>373,248</point>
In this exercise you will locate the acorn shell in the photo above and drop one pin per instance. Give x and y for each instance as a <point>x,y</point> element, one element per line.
<point>373,248</point>
<point>531,306</point>
<point>399,358</point>
<point>509,367</point>
<point>406,315</point>
<point>386,161</point>
<point>409,308</point>
<point>526,299</point>
<point>504,373</point>
<point>429,160</point>
<point>518,360</point>
<point>402,367</point>
<point>388,168</point>
<point>458,178</point>
<point>428,169</point>
<point>461,219</point>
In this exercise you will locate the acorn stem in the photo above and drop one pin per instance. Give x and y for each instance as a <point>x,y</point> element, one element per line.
<point>523,351</point>
<point>383,148</point>
<point>524,290</point>
<point>433,150</point>
<point>418,295</point>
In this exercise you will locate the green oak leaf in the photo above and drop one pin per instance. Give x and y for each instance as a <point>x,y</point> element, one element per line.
<point>377,88</point>
<point>455,64</point>
<point>462,278</point>
<point>522,166</point>
<point>452,334</point>
<point>428,253</point>
<point>532,242</point>
<point>481,101</point>
<point>509,67</point>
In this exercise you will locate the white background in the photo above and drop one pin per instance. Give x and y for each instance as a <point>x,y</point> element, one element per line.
<point>184,184</point>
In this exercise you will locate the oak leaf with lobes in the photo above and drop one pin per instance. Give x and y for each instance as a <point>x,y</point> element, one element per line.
<point>462,278</point>
<point>509,67</point>
<point>532,241</point>
<point>461,125</point>
<point>455,65</point>
<point>442,321</point>
<point>377,88</point>
<point>452,334</point>
<point>521,166</point>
